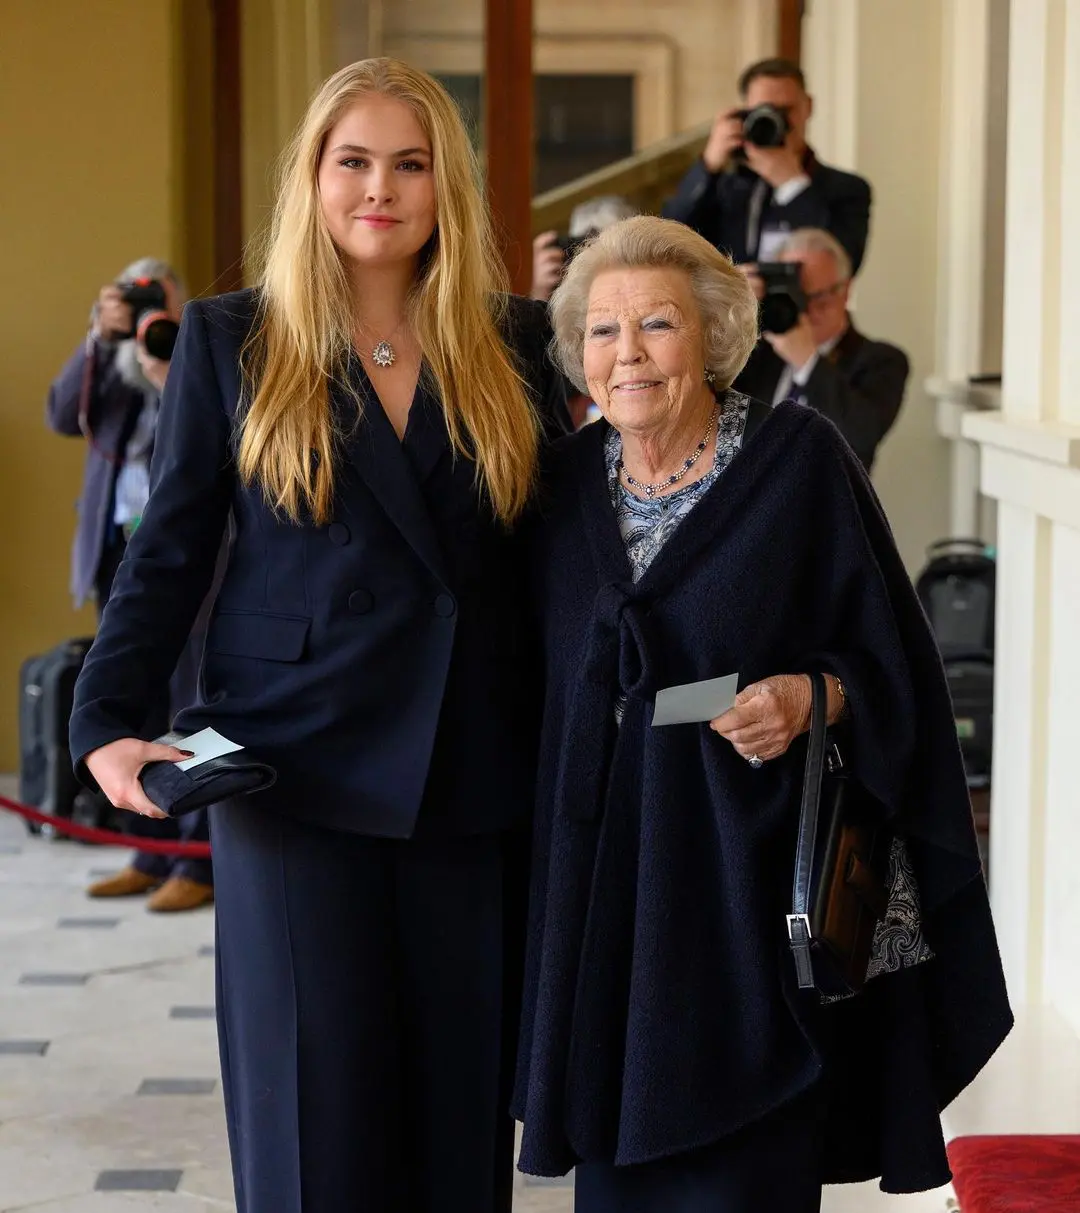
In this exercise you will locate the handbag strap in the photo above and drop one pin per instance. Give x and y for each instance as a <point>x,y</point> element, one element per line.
<point>798,921</point>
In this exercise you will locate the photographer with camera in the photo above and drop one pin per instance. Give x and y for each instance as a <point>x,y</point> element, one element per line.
<point>108,393</point>
<point>757,179</point>
<point>551,251</point>
<point>810,350</point>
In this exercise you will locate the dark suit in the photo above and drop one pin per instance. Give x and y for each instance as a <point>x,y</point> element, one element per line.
<point>859,387</point>
<point>384,664</point>
<point>113,408</point>
<point>718,206</point>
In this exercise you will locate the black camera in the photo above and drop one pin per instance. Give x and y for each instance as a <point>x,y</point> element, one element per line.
<point>572,244</point>
<point>764,125</point>
<point>784,300</point>
<point>151,324</point>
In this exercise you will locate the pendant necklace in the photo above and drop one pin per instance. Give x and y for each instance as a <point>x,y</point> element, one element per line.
<point>650,490</point>
<point>383,355</point>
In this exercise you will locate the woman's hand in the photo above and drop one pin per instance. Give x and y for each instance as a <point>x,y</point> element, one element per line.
<point>767,716</point>
<point>116,768</point>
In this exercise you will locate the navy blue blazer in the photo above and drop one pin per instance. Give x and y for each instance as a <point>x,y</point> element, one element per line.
<point>717,206</point>
<point>384,663</point>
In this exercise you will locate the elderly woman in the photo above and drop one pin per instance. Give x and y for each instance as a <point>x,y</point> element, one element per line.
<point>667,1050</point>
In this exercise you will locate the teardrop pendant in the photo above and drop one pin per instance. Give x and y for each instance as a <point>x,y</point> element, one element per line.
<point>383,355</point>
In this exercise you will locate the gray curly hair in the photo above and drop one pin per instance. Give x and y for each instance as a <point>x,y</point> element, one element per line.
<point>725,300</point>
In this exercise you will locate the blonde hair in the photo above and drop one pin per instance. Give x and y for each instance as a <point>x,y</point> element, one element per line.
<point>725,300</point>
<point>303,337</point>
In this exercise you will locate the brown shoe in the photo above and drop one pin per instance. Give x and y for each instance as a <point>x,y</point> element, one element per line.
<point>179,893</point>
<point>127,883</point>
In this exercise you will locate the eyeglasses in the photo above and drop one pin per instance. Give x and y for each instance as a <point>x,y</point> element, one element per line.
<point>819,297</point>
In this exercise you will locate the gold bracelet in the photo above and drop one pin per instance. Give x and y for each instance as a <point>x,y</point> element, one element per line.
<point>843,698</point>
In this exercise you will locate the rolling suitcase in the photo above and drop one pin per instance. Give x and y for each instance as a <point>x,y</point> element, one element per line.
<point>957,590</point>
<point>46,694</point>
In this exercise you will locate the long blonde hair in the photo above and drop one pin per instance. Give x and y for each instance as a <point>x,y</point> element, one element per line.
<point>302,339</point>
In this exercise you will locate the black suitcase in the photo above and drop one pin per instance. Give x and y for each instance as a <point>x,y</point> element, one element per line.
<point>957,592</point>
<point>46,694</point>
<point>957,589</point>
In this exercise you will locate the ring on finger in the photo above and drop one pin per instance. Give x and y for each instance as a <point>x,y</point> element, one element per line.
<point>756,762</point>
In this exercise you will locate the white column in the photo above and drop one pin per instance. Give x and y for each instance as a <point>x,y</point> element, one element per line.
<point>1031,466</point>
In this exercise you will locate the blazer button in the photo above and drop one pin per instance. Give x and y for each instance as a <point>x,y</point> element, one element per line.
<point>360,602</point>
<point>338,534</point>
<point>445,606</point>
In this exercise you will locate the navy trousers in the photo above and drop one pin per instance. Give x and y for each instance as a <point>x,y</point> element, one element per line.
<point>367,1009</point>
<point>773,1166</point>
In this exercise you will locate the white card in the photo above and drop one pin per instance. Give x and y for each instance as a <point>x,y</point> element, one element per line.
<point>205,745</point>
<point>696,702</point>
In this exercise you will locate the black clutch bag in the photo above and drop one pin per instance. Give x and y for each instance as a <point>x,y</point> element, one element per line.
<point>840,859</point>
<point>177,792</point>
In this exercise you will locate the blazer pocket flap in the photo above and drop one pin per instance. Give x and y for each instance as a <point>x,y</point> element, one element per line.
<point>250,634</point>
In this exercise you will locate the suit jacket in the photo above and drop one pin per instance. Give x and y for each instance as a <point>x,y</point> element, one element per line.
<point>859,387</point>
<point>383,662</point>
<point>114,408</point>
<point>717,205</point>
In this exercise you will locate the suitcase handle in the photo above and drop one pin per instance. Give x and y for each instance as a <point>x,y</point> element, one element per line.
<point>976,546</point>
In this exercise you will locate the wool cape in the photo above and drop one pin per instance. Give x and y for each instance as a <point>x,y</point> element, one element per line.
<point>661,1011</point>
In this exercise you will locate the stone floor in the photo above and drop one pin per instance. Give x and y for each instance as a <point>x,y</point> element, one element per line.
<point>109,1093</point>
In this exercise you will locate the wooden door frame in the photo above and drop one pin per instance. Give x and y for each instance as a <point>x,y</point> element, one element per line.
<point>508,131</point>
<point>228,146</point>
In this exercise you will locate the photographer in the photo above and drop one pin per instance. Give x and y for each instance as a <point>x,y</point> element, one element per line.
<point>551,252</point>
<point>108,393</point>
<point>810,350</point>
<point>758,180</point>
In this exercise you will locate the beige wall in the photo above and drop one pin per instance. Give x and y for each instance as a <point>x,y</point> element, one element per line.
<point>687,53</point>
<point>90,107</point>
<point>869,118</point>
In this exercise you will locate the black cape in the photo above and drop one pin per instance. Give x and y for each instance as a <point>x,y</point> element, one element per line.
<point>661,1011</point>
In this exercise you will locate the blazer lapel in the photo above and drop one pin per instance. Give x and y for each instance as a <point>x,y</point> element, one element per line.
<point>426,438</point>
<point>376,453</point>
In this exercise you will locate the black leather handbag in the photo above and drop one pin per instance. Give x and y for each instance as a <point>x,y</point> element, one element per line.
<point>840,861</point>
<point>177,792</point>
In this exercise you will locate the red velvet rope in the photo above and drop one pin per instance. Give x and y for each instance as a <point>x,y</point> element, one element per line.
<point>113,838</point>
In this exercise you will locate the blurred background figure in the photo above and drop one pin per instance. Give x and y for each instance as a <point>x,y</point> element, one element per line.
<point>108,393</point>
<point>758,179</point>
<point>811,351</point>
<point>551,251</point>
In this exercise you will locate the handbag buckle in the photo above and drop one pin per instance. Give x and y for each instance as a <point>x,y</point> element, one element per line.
<point>834,762</point>
<point>792,920</point>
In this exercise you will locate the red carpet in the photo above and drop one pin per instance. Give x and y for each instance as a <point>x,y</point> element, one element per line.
<point>1016,1174</point>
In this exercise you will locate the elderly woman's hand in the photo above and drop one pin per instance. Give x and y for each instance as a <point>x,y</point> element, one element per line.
<point>767,716</point>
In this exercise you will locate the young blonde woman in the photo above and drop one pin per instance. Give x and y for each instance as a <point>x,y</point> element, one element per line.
<point>370,416</point>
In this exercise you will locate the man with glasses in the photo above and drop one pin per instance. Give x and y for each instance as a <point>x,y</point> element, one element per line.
<point>823,360</point>
<point>758,180</point>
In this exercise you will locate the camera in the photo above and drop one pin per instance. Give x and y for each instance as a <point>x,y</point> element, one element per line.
<point>152,326</point>
<point>784,299</point>
<point>764,125</point>
<point>572,244</point>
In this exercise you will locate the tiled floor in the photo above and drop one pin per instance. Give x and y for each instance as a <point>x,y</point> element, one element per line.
<point>109,1092</point>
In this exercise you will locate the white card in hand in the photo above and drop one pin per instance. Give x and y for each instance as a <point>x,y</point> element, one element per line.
<point>205,745</point>
<point>696,702</point>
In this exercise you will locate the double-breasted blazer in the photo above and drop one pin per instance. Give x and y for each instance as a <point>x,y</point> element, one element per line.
<point>382,662</point>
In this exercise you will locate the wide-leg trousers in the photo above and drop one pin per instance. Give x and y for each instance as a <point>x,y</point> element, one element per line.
<point>367,1007</point>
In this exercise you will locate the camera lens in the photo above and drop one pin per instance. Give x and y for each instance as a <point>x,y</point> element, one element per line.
<point>778,313</point>
<point>158,335</point>
<point>765,126</point>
